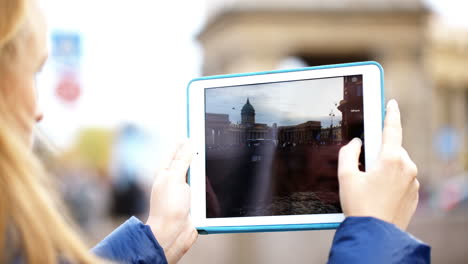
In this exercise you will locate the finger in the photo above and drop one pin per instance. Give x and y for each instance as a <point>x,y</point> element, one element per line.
<point>166,164</point>
<point>191,234</point>
<point>410,168</point>
<point>183,242</point>
<point>392,132</point>
<point>416,186</point>
<point>162,171</point>
<point>348,160</point>
<point>181,162</point>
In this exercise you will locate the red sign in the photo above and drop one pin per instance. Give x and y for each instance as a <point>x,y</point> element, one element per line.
<point>68,89</point>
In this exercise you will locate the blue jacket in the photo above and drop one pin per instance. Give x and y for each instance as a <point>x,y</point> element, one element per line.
<point>369,240</point>
<point>132,242</point>
<point>357,240</point>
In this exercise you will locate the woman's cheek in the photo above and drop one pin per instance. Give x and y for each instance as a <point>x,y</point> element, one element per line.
<point>27,105</point>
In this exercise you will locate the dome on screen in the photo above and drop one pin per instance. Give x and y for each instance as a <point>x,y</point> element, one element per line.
<point>248,109</point>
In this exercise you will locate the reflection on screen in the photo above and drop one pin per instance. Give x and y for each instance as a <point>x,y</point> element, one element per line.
<point>272,149</point>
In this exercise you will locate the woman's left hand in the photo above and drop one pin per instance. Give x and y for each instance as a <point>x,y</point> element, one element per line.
<point>169,217</point>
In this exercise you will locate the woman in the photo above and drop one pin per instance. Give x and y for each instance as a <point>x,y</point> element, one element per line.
<point>30,228</point>
<point>378,204</point>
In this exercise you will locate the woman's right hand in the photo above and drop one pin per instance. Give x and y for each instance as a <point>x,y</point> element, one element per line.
<point>388,191</point>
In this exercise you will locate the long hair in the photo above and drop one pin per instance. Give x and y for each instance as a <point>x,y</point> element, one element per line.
<point>31,225</point>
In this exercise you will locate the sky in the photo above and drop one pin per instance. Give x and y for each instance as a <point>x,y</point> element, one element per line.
<point>138,57</point>
<point>452,12</point>
<point>286,103</point>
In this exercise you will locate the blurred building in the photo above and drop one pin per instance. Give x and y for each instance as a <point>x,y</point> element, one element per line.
<point>425,63</point>
<point>425,67</point>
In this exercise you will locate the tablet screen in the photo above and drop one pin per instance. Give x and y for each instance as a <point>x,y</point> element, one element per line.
<point>272,148</point>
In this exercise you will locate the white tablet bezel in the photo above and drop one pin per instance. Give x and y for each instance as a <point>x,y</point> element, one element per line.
<point>196,113</point>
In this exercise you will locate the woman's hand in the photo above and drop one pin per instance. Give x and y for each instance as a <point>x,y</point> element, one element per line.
<point>388,191</point>
<point>169,216</point>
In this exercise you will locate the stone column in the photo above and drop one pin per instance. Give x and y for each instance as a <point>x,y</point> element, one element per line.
<point>458,117</point>
<point>406,81</point>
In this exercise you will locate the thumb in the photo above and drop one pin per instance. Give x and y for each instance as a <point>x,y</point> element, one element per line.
<point>348,160</point>
<point>181,162</point>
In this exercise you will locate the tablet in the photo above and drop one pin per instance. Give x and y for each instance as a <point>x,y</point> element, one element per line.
<point>267,145</point>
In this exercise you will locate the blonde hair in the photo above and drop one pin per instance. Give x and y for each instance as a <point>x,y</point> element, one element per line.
<point>30,222</point>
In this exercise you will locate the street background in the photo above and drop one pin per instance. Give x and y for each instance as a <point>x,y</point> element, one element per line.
<point>113,95</point>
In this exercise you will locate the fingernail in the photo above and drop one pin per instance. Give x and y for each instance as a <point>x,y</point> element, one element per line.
<point>187,144</point>
<point>182,145</point>
<point>392,104</point>
<point>358,140</point>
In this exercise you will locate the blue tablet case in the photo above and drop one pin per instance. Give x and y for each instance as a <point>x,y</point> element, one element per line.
<point>289,227</point>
